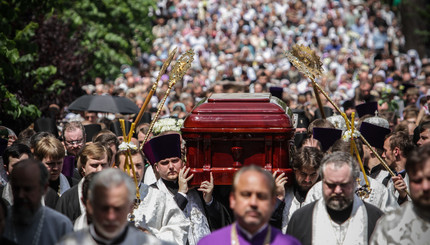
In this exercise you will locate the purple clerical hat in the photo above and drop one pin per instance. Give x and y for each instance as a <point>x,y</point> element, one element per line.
<point>327,136</point>
<point>368,108</point>
<point>162,147</point>
<point>374,134</point>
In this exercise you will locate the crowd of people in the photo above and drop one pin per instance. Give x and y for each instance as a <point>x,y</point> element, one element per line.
<point>61,183</point>
<point>240,47</point>
<point>106,199</point>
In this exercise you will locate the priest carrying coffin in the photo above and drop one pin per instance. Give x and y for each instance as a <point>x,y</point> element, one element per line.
<point>205,213</point>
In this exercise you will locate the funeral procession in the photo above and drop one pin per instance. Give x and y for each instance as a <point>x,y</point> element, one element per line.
<point>215,122</point>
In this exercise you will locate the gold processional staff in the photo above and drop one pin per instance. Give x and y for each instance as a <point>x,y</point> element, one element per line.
<point>181,67</point>
<point>178,71</point>
<point>309,63</point>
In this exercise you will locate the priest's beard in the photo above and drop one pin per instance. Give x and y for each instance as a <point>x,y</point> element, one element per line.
<point>338,202</point>
<point>23,215</point>
<point>109,234</point>
<point>423,206</point>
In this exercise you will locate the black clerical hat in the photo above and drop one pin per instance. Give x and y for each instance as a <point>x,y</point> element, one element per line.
<point>276,91</point>
<point>348,104</point>
<point>115,127</point>
<point>374,134</point>
<point>91,130</point>
<point>368,108</point>
<point>327,136</point>
<point>299,138</point>
<point>162,147</point>
<point>45,124</point>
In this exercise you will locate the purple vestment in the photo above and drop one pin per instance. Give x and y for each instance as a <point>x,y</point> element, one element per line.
<point>68,166</point>
<point>223,237</point>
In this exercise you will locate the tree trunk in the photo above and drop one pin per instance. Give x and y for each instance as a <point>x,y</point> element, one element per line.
<point>415,18</point>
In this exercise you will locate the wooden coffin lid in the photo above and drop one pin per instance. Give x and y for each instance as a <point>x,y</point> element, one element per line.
<point>241,112</point>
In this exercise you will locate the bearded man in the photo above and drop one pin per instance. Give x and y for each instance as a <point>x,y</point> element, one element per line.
<point>30,222</point>
<point>306,164</point>
<point>340,217</point>
<point>111,198</point>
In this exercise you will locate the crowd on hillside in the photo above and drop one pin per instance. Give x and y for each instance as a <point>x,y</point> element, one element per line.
<point>240,47</point>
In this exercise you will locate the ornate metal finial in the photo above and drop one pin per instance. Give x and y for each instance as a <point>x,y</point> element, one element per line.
<point>305,60</point>
<point>308,63</point>
<point>364,191</point>
<point>181,67</point>
<point>164,67</point>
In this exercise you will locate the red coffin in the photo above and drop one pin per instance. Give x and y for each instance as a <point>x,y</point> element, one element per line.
<point>227,131</point>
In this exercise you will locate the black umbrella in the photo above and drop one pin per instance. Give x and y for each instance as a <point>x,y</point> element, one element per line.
<point>104,103</point>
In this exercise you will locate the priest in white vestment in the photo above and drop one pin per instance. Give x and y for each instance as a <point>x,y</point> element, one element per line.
<point>340,217</point>
<point>111,199</point>
<point>156,213</point>
<point>205,214</point>
<point>306,163</point>
<point>410,224</point>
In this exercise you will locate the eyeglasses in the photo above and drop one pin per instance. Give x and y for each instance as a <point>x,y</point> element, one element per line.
<point>75,142</point>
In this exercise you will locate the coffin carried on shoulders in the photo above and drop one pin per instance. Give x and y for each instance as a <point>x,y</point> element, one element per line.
<point>227,131</point>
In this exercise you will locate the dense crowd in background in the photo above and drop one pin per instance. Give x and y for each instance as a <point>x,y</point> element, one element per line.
<point>240,47</point>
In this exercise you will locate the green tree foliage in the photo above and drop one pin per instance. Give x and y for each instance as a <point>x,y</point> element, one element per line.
<point>112,30</point>
<point>18,53</point>
<point>48,49</point>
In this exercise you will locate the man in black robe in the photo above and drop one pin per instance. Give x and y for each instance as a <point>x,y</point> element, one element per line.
<point>74,139</point>
<point>94,158</point>
<point>340,217</point>
<point>12,155</point>
<point>306,163</point>
<point>29,221</point>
